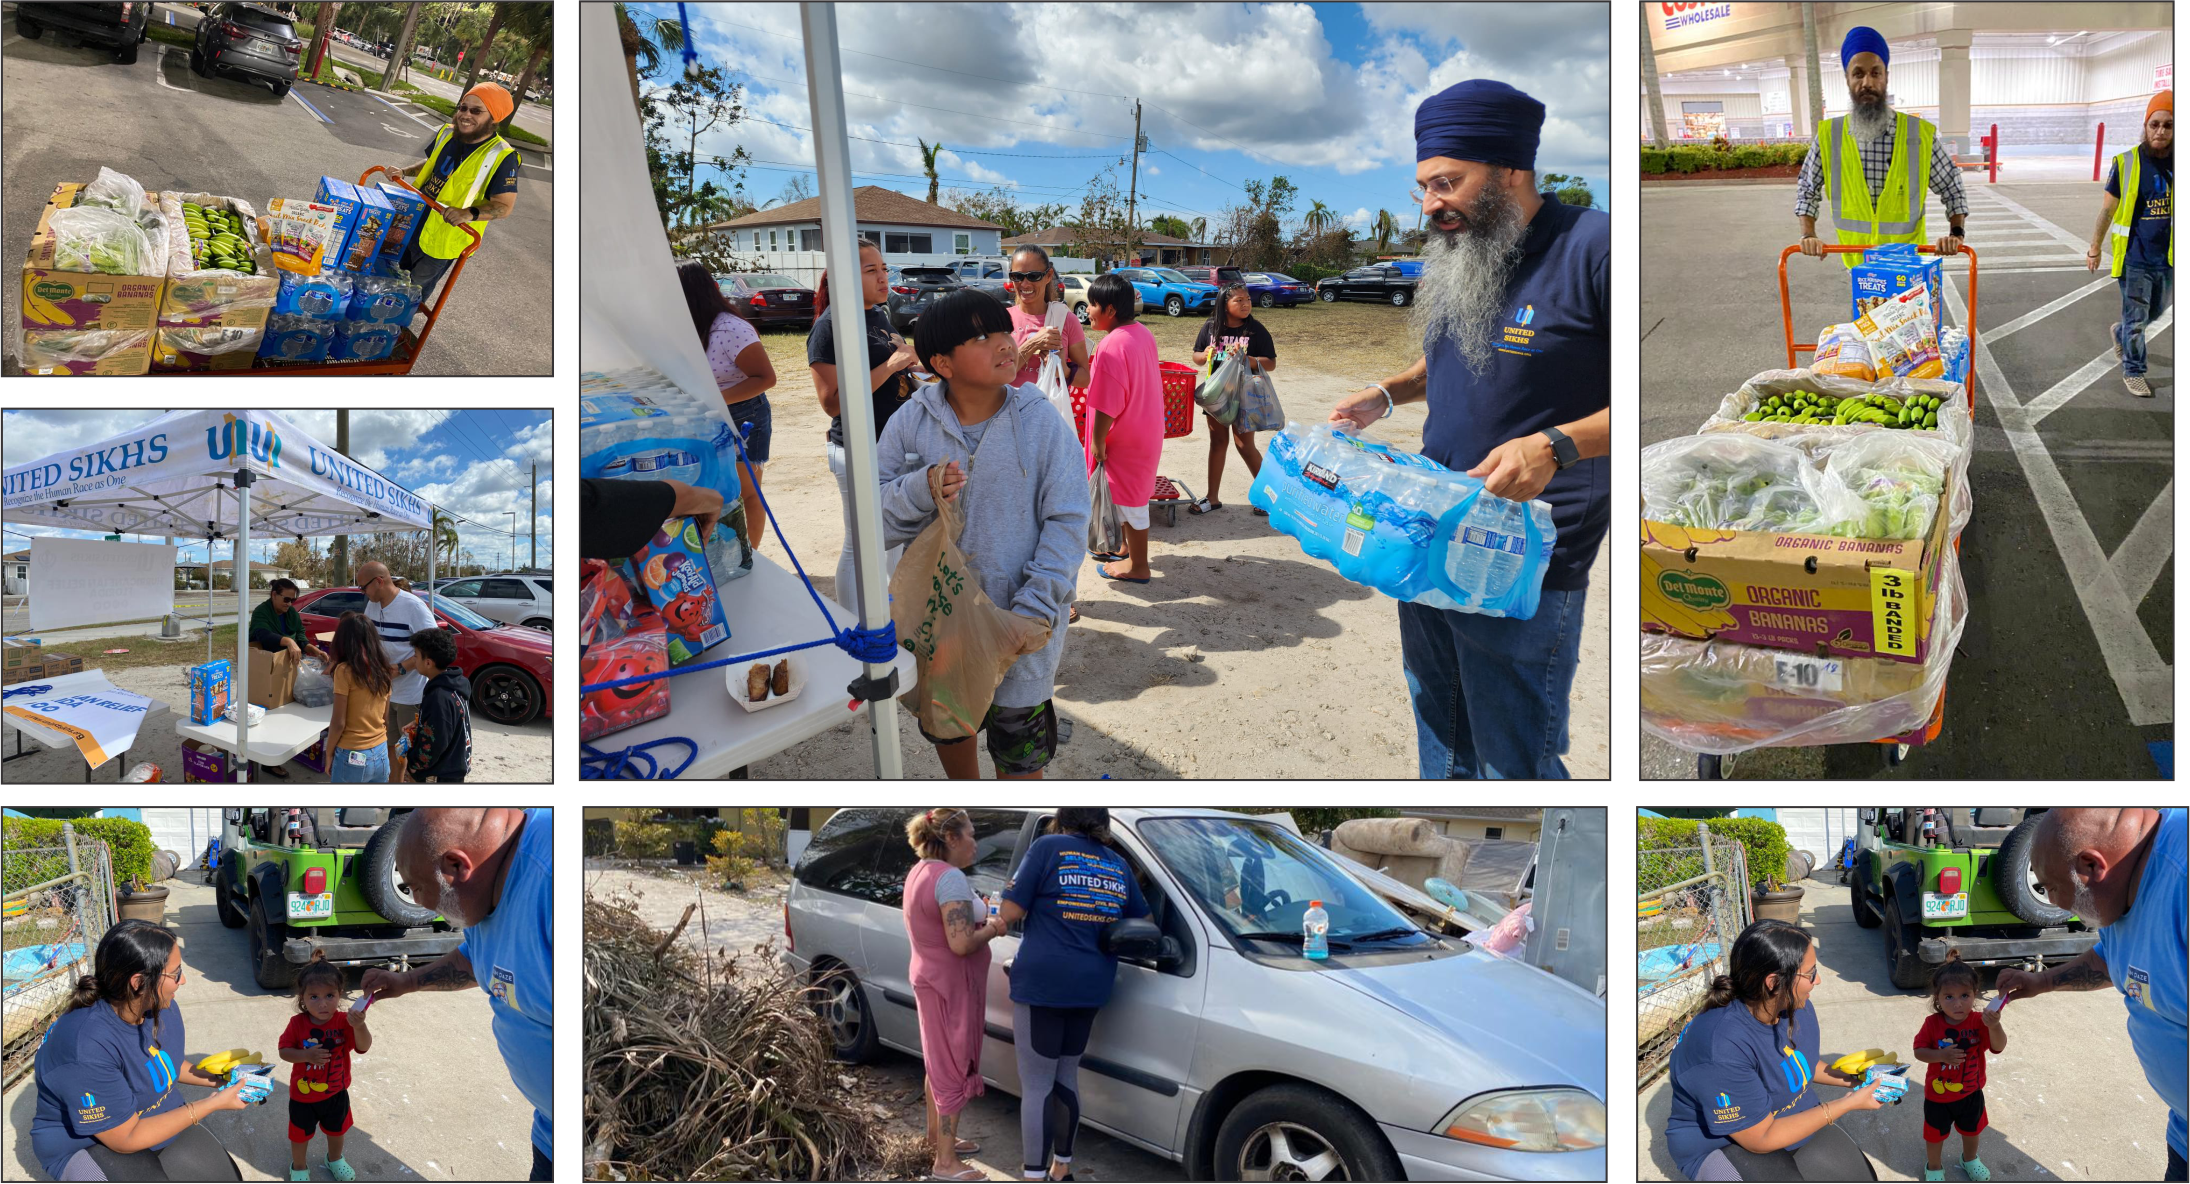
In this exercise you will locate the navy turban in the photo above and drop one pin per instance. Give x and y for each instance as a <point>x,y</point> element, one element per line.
<point>1479,120</point>
<point>1864,39</point>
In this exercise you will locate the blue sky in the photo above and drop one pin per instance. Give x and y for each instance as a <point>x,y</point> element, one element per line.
<point>474,463</point>
<point>1322,93</point>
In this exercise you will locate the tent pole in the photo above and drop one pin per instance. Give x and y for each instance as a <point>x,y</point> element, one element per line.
<point>433,544</point>
<point>242,578</point>
<point>840,245</point>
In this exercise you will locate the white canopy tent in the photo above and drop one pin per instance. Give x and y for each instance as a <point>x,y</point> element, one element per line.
<point>215,475</point>
<point>631,313</point>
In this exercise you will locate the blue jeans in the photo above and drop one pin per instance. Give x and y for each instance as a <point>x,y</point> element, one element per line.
<point>1490,693</point>
<point>359,765</point>
<point>755,412</point>
<point>2144,298</point>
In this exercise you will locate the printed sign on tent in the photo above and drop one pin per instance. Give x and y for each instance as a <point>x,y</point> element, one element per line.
<point>101,719</point>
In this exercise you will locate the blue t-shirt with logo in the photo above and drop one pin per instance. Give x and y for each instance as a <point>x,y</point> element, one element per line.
<point>1553,365</point>
<point>2151,222</point>
<point>1070,888</point>
<point>512,954</point>
<point>2144,952</point>
<point>95,1072</point>
<point>1730,1072</point>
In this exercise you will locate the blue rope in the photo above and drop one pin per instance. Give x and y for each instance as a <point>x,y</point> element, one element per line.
<point>621,765</point>
<point>691,56</point>
<point>874,646</point>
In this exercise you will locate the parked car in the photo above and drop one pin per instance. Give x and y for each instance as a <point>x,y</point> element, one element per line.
<point>117,27</point>
<point>912,289</point>
<point>1381,282</point>
<point>993,278</point>
<point>1404,1055</point>
<point>511,669</point>
<point>1217,276</point>
<point>1162,287</point>
<point>247,39</point>
<point>1074,286</point>
<point>526,600</point>
<point>769,299</point>
<point>1273,289</point>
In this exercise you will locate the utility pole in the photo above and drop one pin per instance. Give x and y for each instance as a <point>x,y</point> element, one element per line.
<point>1132,228</point>
<point>535,532</point>
<point>342,541</point>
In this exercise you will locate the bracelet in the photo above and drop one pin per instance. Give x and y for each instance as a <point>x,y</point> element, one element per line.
<point>193,1111</point>
<point>1389,403</point>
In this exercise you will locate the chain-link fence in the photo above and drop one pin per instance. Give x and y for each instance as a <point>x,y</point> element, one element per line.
<point>1691,902</point>
<point>59,903</point>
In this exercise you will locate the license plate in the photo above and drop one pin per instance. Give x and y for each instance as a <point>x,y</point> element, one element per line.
<point>311,908</point>
<point>785,298</point>
<point>1945,908</point>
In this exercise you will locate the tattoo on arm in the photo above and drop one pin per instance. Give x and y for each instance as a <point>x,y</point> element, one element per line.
<point>958,921</point>
<point>447,975</point>
<point>2084,974</point>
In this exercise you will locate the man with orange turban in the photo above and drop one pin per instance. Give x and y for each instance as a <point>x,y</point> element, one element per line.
<point>2136,233</point>
<point>471,170</point>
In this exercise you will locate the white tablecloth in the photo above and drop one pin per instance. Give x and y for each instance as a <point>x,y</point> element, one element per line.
<point>285,732</point>
<point>73,684</point>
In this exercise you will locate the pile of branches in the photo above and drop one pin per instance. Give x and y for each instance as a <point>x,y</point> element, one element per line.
<point>699,1070</point>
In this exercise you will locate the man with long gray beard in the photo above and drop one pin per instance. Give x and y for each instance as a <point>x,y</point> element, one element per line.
<point>1514,310</point>
<point>1870,168</point>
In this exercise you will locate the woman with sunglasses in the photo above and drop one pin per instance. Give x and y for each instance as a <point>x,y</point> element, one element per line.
<point>108,1106</point>
<point>1035,290</point>
<point>1745,1106</point>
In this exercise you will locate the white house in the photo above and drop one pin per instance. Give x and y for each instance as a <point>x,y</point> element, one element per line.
<point>787,239</point>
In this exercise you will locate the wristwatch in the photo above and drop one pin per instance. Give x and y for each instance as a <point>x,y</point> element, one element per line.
<point>1563,449</point>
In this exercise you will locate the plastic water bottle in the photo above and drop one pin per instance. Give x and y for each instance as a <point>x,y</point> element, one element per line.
<point>994,905</point>
<point>1315,931</point>
<point>637,425</point>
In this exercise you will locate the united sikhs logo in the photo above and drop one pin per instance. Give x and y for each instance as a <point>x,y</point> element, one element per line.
<point>1527,315</point>
<point>1725,1101</point>
<point>90,1101</point>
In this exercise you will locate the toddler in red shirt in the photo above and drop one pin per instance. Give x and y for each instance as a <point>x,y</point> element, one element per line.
<point>1954,1041</point>
<point>319,1041</point>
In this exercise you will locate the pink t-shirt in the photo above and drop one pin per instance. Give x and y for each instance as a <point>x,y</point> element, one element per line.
<point>726,339</point>
<point>1128,386</point>
<point>1024,326</point>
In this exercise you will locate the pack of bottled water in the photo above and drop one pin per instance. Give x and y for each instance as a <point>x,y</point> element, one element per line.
<point>637,425</point>
<point>1403,524</point>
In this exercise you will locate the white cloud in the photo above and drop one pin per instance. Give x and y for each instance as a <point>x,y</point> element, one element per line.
<point>374,435</point>
<point>1150,170</point>
<point>535,443</point>
<point>421,468</point>
<point>1360,218</point>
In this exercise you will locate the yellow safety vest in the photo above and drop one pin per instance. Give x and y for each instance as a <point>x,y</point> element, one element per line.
<point>1896,215</point>
<point>2126,179</point>
<point>437,238</point>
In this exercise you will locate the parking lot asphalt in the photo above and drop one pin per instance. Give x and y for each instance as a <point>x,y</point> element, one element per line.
<point>2067,1100</point>
<point>72,109</point>
<point>432,1101</point>
<point>2065,666</point>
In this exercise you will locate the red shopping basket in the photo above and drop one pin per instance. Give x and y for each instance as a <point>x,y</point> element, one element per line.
<point>1178,423</point>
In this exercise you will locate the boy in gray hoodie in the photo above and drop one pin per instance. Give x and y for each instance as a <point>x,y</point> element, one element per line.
<point>1014,460</point>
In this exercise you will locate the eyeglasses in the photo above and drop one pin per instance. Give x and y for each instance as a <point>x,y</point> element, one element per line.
<point>1028,277</point>
<point>473,109</point>
<point>1443,187</point>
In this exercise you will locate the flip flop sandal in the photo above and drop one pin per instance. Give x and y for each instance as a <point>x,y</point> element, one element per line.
<point>1260,512</point>
<point>968,1147</point>
<point>1201,506</point>
<point>1119,579</point>
<point>969,1174</point>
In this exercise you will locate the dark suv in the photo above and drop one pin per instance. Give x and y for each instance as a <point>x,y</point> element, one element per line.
<point>1381,282</point>
<point>118,27</point>
<point>251,40</point>
<point>992,278</point>
<point>912,289</point>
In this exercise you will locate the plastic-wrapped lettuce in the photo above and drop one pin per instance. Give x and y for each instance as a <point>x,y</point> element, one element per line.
<point>95,238</point>
<point>1732,481</point>
<point>1901,478</point>
<point>115,191</point>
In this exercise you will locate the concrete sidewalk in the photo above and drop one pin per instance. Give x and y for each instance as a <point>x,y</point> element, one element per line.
<point>432,1101</point>
<point>2067,1100</point>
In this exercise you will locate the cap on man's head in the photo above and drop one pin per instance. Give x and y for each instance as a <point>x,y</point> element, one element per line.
<point>497,101</point>
<point>1863,39</point>
<point>2163,101</point>
<point>1479,120</point>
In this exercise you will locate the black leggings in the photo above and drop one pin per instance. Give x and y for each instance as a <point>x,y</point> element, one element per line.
<point>1049,1042</point>
<point>193,1155</point>
<point>1829,1155</point>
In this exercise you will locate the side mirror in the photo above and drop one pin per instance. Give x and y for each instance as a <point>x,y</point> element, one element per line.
<point>1869,815</point>
<point>1134,937</point>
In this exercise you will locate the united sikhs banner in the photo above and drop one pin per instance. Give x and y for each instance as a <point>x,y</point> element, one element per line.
<point>101,719</point>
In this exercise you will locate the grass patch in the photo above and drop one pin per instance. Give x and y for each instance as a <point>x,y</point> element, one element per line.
<point>327,72</point>
<point>170,35</point>
<point>150,652</point>
<point>446,108</point>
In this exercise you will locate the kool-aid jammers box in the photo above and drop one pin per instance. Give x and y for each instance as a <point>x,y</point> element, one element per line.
<point>672,570</point>
<point>641,649</point>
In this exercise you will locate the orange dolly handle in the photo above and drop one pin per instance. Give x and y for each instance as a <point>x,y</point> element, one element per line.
<point>1787,308</point>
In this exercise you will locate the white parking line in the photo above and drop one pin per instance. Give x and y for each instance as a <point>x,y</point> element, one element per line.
<point>159,72</point>
<point>2090,372</point>
<point>2137,562</point>
<point>2038,314</point>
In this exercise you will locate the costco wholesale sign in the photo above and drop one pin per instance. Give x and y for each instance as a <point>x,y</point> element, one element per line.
<point>1688,16</point>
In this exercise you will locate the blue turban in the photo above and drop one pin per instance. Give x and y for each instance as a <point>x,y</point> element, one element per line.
<point>1479,120</point>
<point>1864,39</point>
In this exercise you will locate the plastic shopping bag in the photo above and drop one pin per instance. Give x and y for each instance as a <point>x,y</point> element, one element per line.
<point>962,643</point>
<point>1052,382</point>
<point>315,685</point>
<point>1219,394</point>
<point>1259,409</point>
<point>1105,529</point>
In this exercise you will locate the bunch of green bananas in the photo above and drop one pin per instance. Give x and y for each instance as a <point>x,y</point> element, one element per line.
<point>1916,411</point>
<point>218,238</point>
<point>1796,407</point>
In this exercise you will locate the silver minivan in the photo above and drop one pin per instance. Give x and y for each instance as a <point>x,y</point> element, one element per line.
<point>1403,1055</point>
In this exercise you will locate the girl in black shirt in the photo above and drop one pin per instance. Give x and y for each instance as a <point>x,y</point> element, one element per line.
<point>1231,327</point>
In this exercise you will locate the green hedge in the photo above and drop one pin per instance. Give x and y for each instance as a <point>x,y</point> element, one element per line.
<point>1764,841</point>
<point>128,841</point>
<point>1687,159</point>
<point>658,840</point>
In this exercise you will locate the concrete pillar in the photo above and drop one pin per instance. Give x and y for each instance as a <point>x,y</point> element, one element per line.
<point>1799,83</point>
<point>1954,91</point>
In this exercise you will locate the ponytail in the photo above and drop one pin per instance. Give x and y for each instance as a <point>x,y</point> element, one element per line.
<point>1722,992</point>
<point>85,994</point>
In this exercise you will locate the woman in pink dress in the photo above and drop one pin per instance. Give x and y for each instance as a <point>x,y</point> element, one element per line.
<point>950,930</point>
<point>1034,288</point>
<point>1125,416</point>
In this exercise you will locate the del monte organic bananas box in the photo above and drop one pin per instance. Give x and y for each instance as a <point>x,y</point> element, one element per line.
<point>58,297</point>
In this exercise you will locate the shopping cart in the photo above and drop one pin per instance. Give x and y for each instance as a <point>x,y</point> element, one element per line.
<point>1711,766</point>
<point>1178,423</point>
<point>407,348</point>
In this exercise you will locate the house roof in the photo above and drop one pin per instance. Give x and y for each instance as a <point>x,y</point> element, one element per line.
<point>870,203</point>
<point>1062,236</point>
<point>1479,813</point>
<point>16,557</point>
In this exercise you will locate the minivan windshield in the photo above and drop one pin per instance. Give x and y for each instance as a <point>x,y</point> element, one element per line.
<point>1256,879</point>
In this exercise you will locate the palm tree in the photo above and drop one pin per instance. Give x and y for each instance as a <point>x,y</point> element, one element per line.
<point>927,160</point>
<point>1385,228</point>
<point>1169,224</point>
<point>444,534</point>
<point>478,56</point>
<point>323,30</point>
<point>399,54</point>
<point>1318,219</point>
<point>644,43</point>
<point>533,24</point>
<point>1200,227</point>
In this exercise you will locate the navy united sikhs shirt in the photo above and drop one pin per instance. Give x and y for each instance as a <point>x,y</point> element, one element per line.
<point>1553,365</point>
<point>1731,1071</point>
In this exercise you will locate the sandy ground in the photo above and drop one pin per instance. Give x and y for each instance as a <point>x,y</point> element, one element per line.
<point>2067,1100</point>
<point>1292,670</point>
<point>498,752</point>
<point>432,1101</point>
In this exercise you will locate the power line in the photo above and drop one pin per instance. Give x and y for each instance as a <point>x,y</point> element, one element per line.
<point>794,167</point>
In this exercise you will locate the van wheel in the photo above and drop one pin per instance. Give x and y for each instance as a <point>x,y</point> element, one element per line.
<point>382,885</point>
<point>843,1006</point>
<point>127,54</point>
<point>272,971</point>
<point>1299,1132</point>
<point>26,27</point>
<point>224,902</point>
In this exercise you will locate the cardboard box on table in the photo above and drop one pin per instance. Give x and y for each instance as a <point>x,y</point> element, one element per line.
<point>57,665</point>
<point>273,678</point>
<point>1813,593</point>
<point>212,319</point>
<point>59,305</point>
<point>21,661</point>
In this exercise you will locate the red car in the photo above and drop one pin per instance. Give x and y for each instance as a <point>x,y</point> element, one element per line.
<point>511,668</point>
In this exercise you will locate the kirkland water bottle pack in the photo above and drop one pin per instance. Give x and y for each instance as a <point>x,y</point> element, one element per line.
<point>1403,524</point>
<point>387,299</point>
<point>637,425</point>
<point>326,295</point>
<point>364,341</point>
<point>298,338</point>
